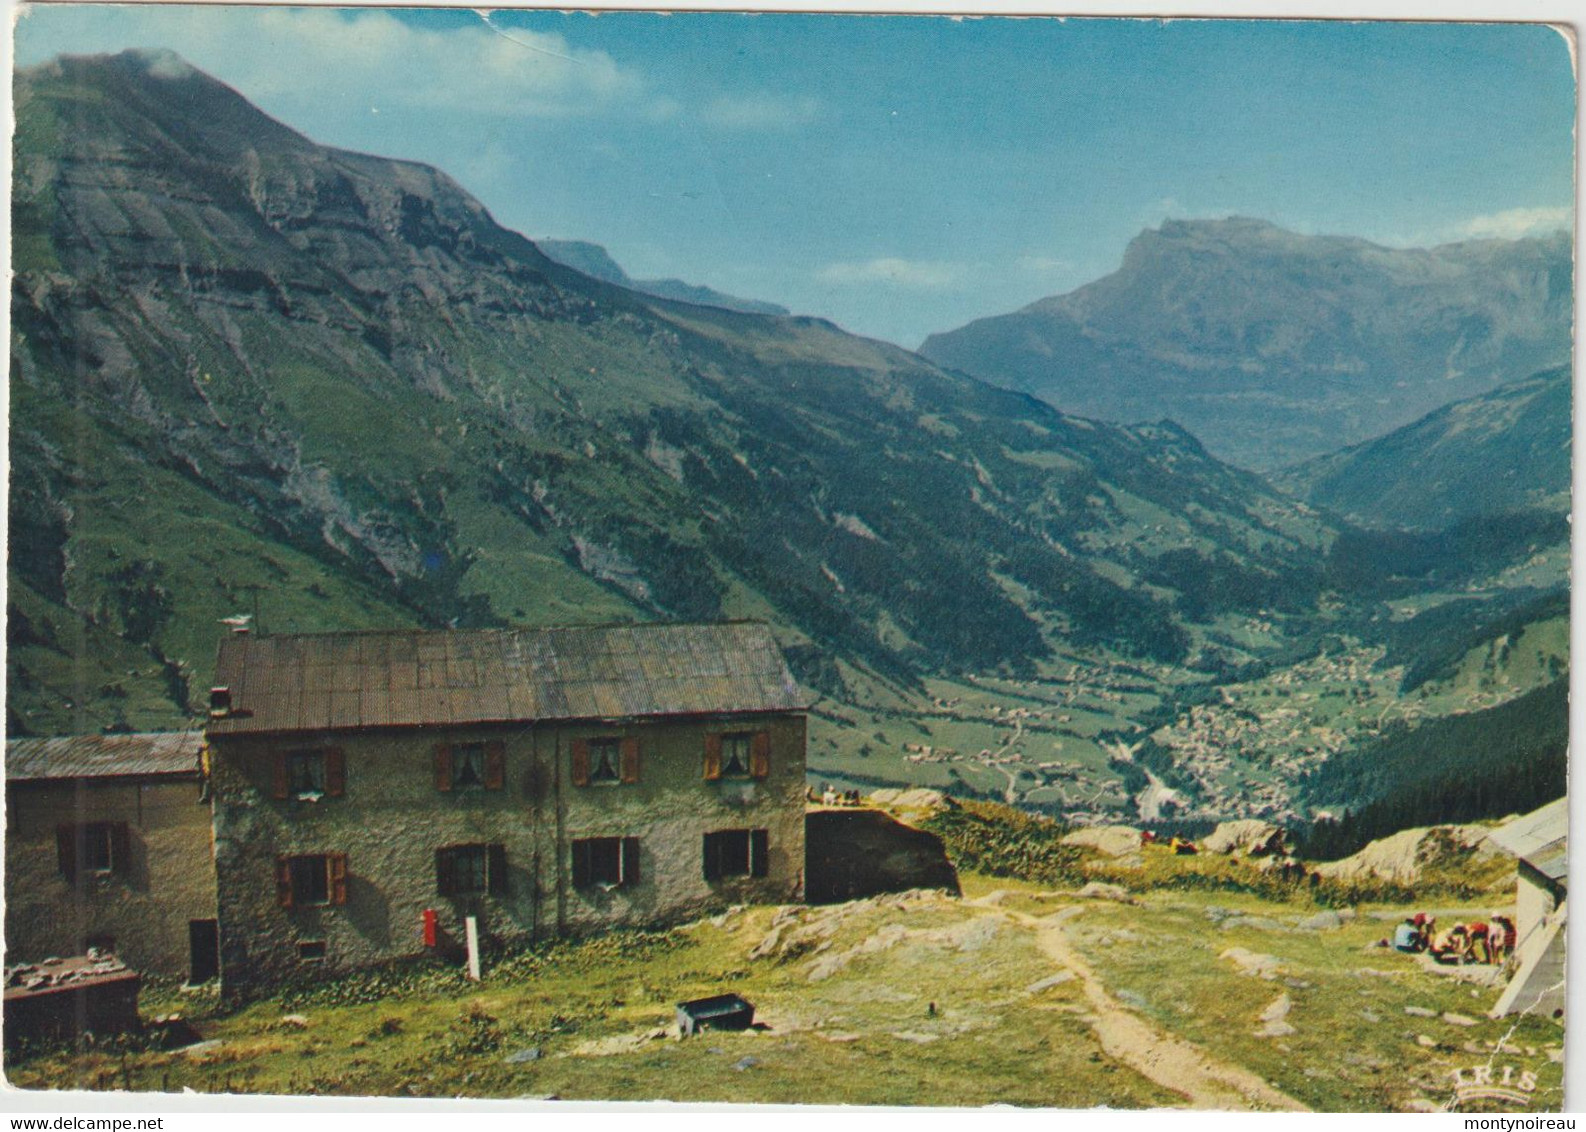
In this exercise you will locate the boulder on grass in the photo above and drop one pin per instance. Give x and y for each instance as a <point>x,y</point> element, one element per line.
<point>1112,840</point>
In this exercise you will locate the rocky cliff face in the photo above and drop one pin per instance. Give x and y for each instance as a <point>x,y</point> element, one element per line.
<point>1273,347</point>
<point>253,373</point>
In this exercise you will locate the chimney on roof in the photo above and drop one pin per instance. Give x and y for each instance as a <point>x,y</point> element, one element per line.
<point>219,702</point>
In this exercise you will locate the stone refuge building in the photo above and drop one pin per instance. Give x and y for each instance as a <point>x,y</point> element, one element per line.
<point>108,844</point>
<point>372,790</point>
<point>1540,842</point>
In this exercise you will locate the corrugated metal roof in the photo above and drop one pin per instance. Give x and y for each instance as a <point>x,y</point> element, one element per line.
<point>103,756</point>
<point>1540,838</point>
<point>410,678</point>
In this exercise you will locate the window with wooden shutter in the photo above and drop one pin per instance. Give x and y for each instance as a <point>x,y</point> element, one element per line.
<point>712,757</point>
<point>630,860</point>
<point>335,772</point>
<point>443,768</point>
<point>283,881</point>
<point>283,776</point>
<point>497,870</point>
<point>495,765</point>
<point>759,852</point>
<point>580,762</point>
<point>338,878</point>
<point>605,862</point>
<point>66,850</point>
<point>630,760</point>
<point>760,755</point>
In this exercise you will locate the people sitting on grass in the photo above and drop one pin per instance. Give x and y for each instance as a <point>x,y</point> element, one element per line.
<point>1407,937</point>
<point>1425,928</point>
<point>1478,946</point>
<point>1452,946</point>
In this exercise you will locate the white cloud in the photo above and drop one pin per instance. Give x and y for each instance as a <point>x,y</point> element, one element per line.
<point>1513,223</point>
<point>760,112</point>
<point>303,53</point>
<point>1044,265</point>
<point>912,273</point>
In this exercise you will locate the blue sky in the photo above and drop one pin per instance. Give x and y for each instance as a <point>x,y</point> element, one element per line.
<point>903,175</point>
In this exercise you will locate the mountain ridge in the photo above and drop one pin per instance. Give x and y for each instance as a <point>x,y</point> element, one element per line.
<point>377,406</point>
<point>1273,346</point>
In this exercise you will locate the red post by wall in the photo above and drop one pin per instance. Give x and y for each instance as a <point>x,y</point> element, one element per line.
<point>429,927</point>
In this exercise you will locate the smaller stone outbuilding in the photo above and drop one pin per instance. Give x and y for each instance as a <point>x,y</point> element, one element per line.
<point>109,846</point>
<point>1540,843</point>
<point>855,854</point>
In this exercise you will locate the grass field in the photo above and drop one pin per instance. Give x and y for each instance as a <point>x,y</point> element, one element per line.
<point>1015,994</point>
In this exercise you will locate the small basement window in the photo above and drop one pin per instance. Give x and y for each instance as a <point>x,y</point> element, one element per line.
<point>736,853</point>
<point>311,950</point>
<point>605,862</point>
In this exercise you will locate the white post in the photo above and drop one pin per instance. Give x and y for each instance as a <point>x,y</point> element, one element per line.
<point>473,948</point>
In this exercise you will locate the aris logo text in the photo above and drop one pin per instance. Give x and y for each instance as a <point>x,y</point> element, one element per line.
<point>1504,1083</point>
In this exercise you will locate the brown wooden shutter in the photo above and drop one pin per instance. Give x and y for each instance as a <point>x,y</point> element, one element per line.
<point>759,852</point>
<point>443,767</point>
<point>580,762</point>
<point>66,849</point>
<point>495,765</point>
<point>283,881</point>
<point>760,755</point>
<point>445,874</point>
<point>281,776</point>
<point>630,860</point>
<point>496,870</point>
<point>120,848</point>
<point>712,757</point>
<point>630,760</point>
<point>337,863</point>
<point>335,772</point>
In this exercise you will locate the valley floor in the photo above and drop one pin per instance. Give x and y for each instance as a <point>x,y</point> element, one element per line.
<point>1014,994</point>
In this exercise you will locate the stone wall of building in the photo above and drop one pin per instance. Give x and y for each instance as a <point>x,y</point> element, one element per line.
<point>391,818</point>
<point>145,903</point>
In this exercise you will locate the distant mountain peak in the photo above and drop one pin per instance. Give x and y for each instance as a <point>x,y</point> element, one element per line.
<point>595,261</point>
<point>1273,346</point>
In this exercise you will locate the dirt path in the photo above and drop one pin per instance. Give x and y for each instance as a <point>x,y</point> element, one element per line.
<point>1170,1061</point>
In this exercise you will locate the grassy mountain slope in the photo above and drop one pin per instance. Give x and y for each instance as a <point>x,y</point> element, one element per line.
<point>260,366</point>
<point>1507,450</point>
<point>1274,347</point>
